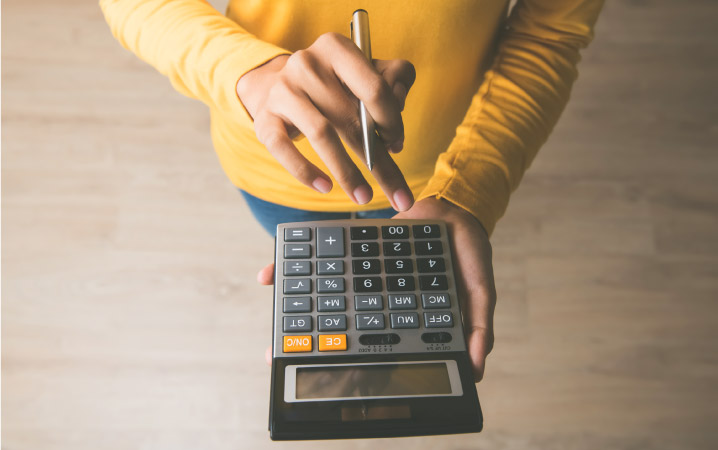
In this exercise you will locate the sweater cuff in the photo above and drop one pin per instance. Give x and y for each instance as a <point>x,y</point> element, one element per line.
<point>233,66</point>
<point>485,195</point>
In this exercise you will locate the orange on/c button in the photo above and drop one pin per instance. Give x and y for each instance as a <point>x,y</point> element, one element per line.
<point>297,344</point>
<point>332,342</point>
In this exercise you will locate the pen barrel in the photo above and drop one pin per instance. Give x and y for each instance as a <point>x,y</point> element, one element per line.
<point>360,32</point>
<point>362,39</point>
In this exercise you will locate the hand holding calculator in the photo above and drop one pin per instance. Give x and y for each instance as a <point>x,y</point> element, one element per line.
<point>368,337</point>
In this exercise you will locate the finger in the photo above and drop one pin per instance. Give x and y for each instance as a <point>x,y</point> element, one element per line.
<point>399,74</point>
<point>301,112</point>
<point>266,275</point>
<point>478,292</point>
<point>364,81</point>
<point>268,356</point>
<point>272,132</point>
<point>392,181</point>
<point>336,104</point>
<point>480,342</point>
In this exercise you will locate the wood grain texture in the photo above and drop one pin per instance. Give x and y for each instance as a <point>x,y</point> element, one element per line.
<point>130,314</point>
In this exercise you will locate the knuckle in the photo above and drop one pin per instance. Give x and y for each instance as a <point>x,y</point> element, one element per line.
<point>319,131</point>
<point>329,39</point>
<point>348,177</point>
<point>377,89</point>
<point>302,172</point>
<point>353,130</point>
<point>271,139</point>
<point>299,61</point>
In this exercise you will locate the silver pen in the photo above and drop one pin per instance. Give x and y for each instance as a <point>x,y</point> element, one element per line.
<point>360,36</point>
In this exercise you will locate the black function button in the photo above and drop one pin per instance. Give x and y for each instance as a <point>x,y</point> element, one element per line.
<point>363,233</point>
<point>435,301</point>
<point>429,248</point>
<point>397,248</point>
<point>395,232</point>
<point>365,249</point>
<point>426,265</point>
<point>404,265</point>
<point>426,231</point>
<point>402,301</point>
<point>404,320</point>
<point>433,283</point>
<point>441,337</point>
<point>297,234</point>
<point>370,321</point>
<point>405,283</point>
<point>367,284</point>
<point>365,266</point>
<point>379,339</point>
<point>330,267</point>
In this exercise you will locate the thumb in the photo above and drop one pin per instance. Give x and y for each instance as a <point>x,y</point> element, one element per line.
<point>266,275</point>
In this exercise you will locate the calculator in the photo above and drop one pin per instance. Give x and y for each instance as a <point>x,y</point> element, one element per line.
<point>368,338</point>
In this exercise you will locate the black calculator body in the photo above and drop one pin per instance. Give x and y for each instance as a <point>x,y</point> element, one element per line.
<point>368,337</point>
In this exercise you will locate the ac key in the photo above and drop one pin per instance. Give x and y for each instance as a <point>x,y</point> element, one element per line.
<point>337,322</point>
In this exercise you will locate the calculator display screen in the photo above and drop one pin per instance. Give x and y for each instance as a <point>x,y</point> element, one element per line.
<point>372,381</point>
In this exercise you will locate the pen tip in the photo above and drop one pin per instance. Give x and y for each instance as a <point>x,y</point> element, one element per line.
<point>370,165</point>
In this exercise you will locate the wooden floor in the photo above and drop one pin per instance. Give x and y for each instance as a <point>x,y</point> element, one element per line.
<point>130,314</point>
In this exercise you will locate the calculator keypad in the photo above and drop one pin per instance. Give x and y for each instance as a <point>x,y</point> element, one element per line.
<point>378,286</point>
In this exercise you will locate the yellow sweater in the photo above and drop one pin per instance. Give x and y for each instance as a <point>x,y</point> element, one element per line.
<point>503,81</point>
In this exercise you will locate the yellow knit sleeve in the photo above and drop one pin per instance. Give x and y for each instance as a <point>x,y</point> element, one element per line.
<point>202,52</point>
<point>516,106</point>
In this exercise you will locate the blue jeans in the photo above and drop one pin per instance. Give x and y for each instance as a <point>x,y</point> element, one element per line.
<point>269,215</point>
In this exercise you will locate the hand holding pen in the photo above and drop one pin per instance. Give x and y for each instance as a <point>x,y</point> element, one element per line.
<point>316,92</point>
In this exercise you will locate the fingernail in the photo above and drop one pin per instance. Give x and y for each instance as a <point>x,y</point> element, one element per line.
<point>362,194</point>
<point>403,199</point>
<point>322,185</point>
